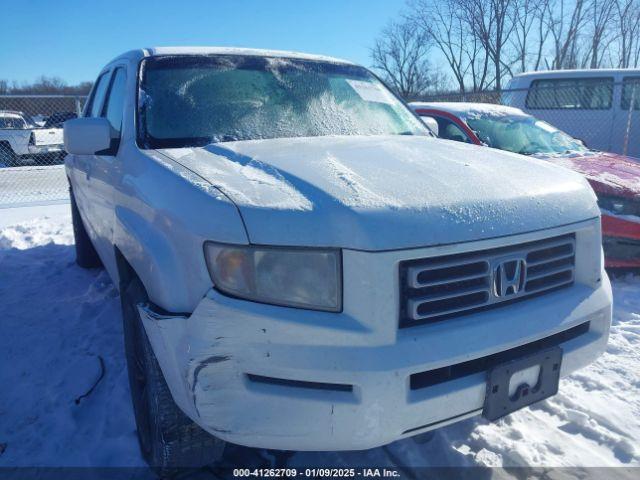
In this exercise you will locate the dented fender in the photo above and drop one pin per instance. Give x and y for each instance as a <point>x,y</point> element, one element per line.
<point>184,350</point>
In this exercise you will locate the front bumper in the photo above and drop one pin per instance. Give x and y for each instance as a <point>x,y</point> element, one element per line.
<point>43,155</point>
<point>45,149</point>
<point>283,378</point>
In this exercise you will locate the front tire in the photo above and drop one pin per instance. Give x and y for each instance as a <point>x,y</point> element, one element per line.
<point>86,255</point>
<point>7,155</point>
<point>169,440</point>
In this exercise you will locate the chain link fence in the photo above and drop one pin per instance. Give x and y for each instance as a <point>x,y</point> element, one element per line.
<point>604,114</point>
<point>31,147</point>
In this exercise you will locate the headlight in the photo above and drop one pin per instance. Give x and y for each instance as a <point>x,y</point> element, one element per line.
<point>619,205</point>
<point>294,277</point>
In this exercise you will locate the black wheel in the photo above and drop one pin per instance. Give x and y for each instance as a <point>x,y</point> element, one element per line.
<point>169,440</point>
<point>7,155</point>
<point>86,255</point>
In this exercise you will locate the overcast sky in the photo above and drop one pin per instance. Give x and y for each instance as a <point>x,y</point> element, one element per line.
<point>73,39</point>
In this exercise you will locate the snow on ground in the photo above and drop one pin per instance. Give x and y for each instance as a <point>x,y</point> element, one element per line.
<point>29,184</point>
<point>58,321</point>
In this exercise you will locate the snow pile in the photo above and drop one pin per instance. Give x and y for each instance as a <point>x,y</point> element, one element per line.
<point>59,320</point>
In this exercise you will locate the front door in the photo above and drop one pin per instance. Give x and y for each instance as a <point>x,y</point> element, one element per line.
<point>104,170</point>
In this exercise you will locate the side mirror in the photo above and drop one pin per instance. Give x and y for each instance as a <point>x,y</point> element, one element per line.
<point>87,136</point>
<point>431,124</point>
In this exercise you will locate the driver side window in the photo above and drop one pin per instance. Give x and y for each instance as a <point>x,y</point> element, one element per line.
<point>450,131</point>
<point>97,96</point>
<point>114,104</point>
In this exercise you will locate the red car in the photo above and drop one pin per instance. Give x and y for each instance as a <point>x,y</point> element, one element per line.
<point>614,178</point>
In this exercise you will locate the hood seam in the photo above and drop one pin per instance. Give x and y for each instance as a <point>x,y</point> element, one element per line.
<point>225,194</point>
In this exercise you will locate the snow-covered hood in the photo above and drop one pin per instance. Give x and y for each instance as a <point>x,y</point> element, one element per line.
<point>389,192</point>
<point>608,173</point>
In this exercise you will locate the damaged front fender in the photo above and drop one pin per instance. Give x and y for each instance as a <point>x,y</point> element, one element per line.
<point>181,358</point>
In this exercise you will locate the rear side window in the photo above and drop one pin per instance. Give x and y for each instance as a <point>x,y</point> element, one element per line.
<point>630,90</point>
<point>571,94</point>
<point>114,105</point>
<point>97,96</point>
<point>450,131</point>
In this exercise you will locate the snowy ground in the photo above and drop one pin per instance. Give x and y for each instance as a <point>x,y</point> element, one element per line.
<point>59,320</point>
<point>29,184</point>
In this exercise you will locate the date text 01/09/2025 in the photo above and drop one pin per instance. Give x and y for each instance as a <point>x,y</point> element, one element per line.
<point>315,472</point>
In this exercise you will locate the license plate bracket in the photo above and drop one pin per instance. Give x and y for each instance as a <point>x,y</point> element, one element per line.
<point>499,403</point>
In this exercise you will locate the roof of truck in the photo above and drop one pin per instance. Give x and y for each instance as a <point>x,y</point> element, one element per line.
<point>152,51</point>
<point>577,72</point>
<point>11,113</point>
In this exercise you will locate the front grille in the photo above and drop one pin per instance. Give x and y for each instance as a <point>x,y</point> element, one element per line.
<point>433,289</point>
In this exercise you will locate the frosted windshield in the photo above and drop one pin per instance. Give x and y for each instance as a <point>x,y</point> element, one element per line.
<point>522,134</point>
<point>197,100</point>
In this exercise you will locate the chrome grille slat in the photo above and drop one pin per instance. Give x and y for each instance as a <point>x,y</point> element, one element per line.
<point>554,243</point>
<point>550,286</point>
<point>542,262</point>
<point>439,287</point>
<point>445,296</point>
<point>451,280</point>
<point>449,312</point>
<point>414,273</point>
<point>547,273</point>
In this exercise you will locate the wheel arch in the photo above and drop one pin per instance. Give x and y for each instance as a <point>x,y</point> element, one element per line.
<point>125,271</point>
<point>143,250</point>
<point>7,144</point>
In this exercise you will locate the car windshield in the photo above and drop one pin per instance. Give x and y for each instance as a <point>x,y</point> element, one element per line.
<point>12,122</point>
<point>522,134</point>
<point>197,100</point>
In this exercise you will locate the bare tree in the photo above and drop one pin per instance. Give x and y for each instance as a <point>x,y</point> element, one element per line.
<point>600,31</point>
<point>49,85</point>
<point>400,54</point>
<point>565,24</point>
<point>530,33</point>
<point>524,19</point>
<point>627,20</point>
<point>443,22</point>
<point>491,23</point>
<point>486,41</point>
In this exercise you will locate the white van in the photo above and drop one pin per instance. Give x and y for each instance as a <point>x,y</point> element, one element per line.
<point>600,107</point>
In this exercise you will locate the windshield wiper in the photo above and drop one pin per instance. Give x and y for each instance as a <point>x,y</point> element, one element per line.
<point>224,138</point>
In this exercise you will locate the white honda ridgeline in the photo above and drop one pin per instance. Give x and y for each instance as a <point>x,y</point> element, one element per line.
<point>302,266</point>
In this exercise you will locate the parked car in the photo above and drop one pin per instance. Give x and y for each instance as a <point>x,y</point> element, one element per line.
<point>615,178</point>
<point>22,142</point>
<point>302,266</point>
<point>592,105</point>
